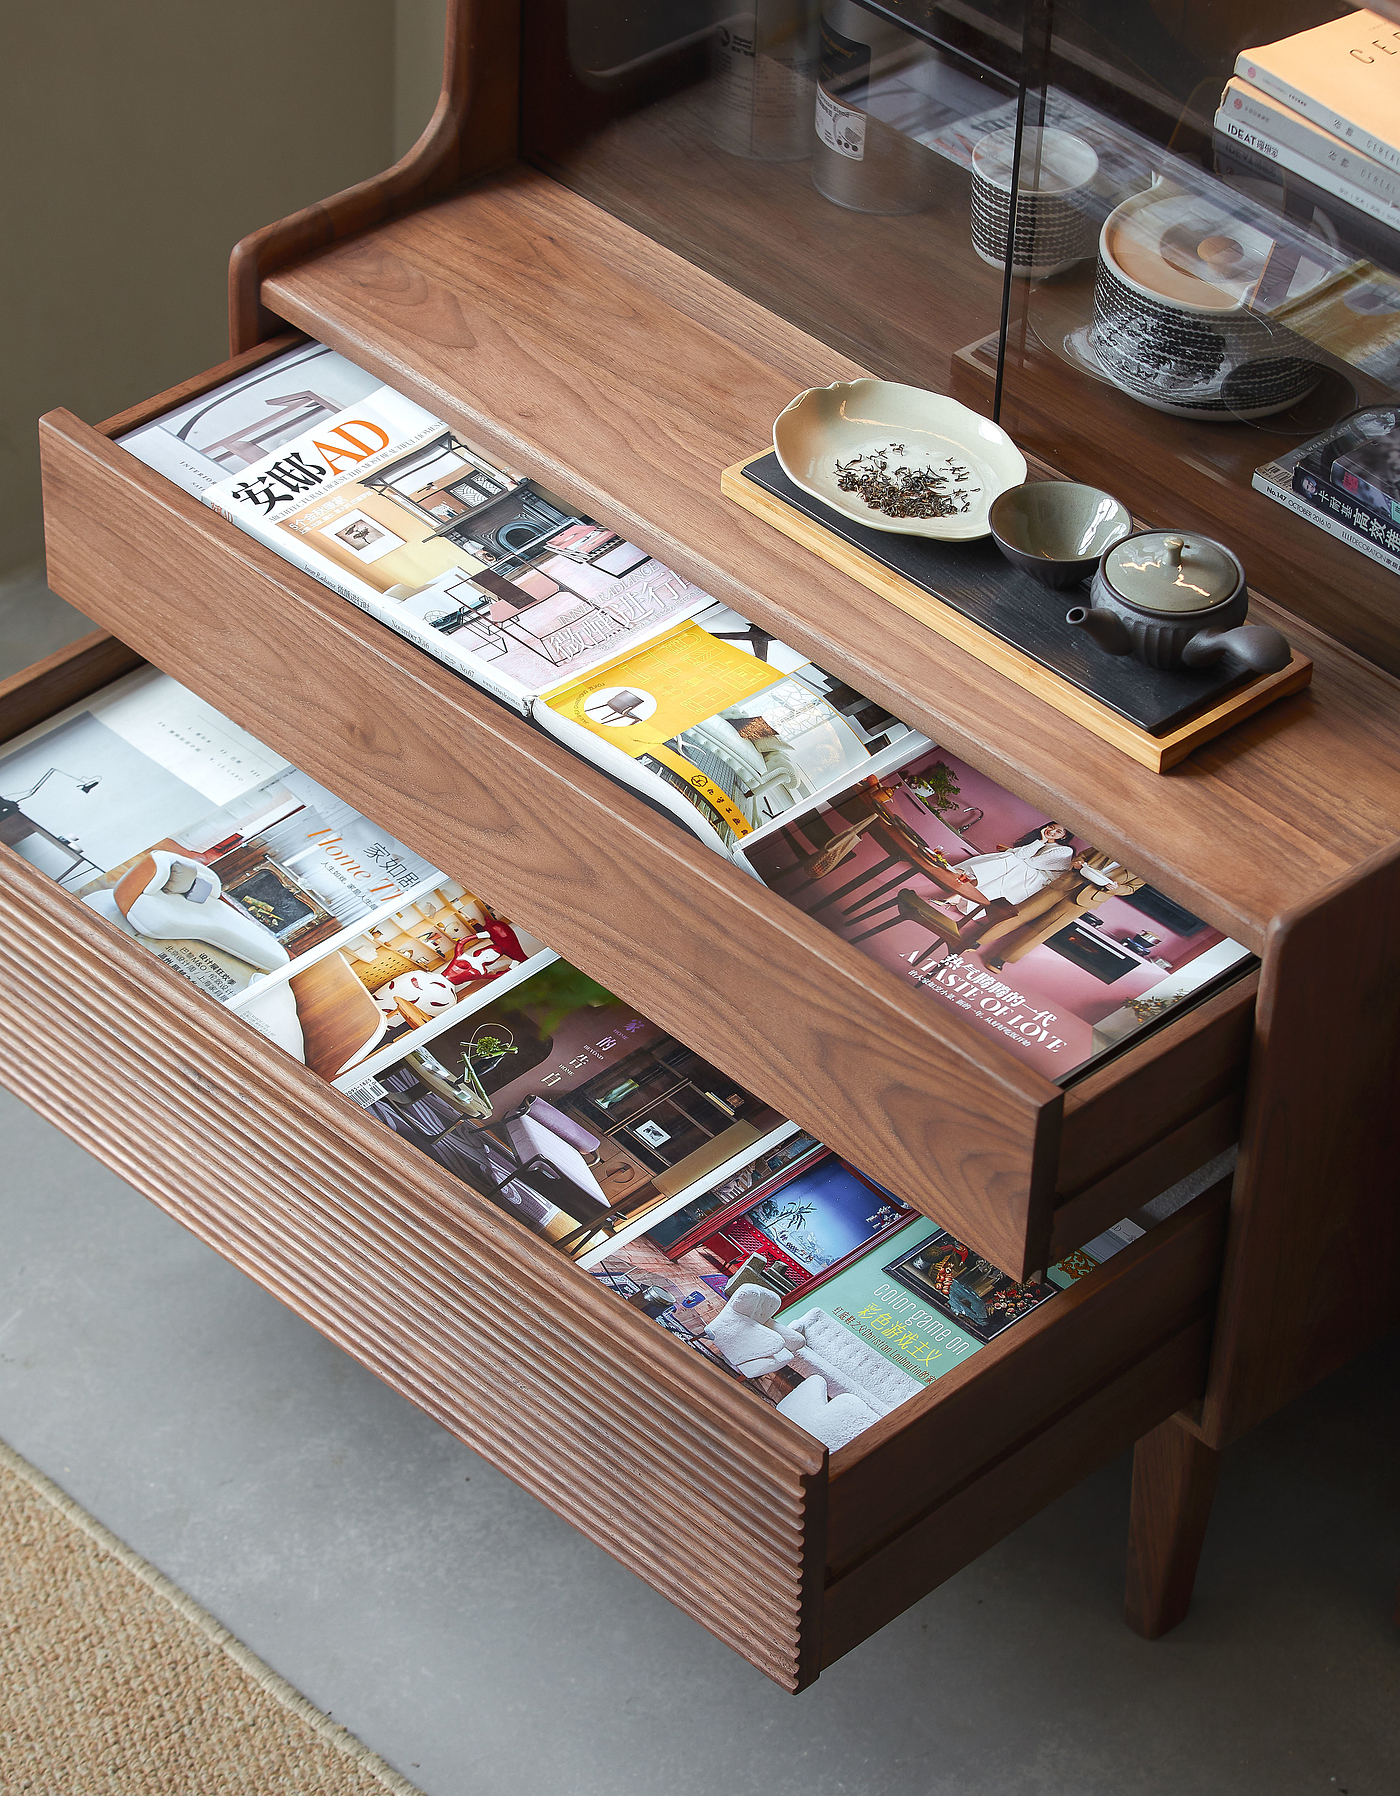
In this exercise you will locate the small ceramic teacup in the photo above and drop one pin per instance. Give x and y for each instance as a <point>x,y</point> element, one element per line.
<point>1055,222</point>
<point>1057,530</point>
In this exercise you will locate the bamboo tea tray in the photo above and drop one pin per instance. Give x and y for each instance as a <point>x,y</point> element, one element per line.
<point>971,595</point>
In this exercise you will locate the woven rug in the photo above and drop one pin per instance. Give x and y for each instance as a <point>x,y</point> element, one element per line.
<point>113,1682</point>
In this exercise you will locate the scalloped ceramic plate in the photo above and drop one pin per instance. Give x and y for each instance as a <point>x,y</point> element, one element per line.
<point>825,425</point>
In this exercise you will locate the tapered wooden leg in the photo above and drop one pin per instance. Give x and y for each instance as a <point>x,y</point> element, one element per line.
<point>1174,1479</point>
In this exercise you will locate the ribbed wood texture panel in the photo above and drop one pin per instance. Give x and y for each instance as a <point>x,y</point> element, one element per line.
<point>714,1499</point>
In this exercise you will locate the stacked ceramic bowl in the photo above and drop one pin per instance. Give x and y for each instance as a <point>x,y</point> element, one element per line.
<point>1055,221</point>
<point>1183,320</point>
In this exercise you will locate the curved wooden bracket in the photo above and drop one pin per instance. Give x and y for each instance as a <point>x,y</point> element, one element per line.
<point>473,131</point>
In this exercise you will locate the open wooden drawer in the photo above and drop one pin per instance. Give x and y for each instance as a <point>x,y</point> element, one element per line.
<point>720,1503</point>
<point>923,1100</point>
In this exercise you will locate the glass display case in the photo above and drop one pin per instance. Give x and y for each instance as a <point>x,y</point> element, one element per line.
<point>1055,211</point>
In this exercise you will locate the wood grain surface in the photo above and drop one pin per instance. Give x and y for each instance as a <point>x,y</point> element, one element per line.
<point>1136,1098</point>
<point>920,1098</point>
<point>61,679</point>
<point>678,1473</point>
<point>962,623</point>
<point>1174,1480</point>
<point>987,1508</point>
<point>563,342</point>
<point>1019,1384</point>
<point>1312,1274</point>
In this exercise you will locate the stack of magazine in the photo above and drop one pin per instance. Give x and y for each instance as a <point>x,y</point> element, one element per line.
<point>963,890</point>
<point>1324,107</point>
<point>515,1072</point>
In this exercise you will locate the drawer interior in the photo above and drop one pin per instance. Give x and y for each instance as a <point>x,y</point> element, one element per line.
<point>923,1100</point>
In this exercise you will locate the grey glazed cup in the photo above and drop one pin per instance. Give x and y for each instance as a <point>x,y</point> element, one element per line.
<point>1056,530</point>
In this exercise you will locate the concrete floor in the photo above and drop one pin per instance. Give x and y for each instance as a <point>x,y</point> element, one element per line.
<point>485,1650</point>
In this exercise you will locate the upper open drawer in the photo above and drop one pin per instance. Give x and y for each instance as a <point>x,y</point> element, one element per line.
<point>927,1102</point>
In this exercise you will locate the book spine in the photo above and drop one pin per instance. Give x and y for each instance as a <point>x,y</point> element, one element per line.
<point>1232,126</point>
<point>1324,151</point>
<point>1304,508</point>
<point>1366,512</point>
<point>286,546</point>
<point>1297,101</point>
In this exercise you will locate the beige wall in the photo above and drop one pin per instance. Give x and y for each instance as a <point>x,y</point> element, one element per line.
<point>138,142</point>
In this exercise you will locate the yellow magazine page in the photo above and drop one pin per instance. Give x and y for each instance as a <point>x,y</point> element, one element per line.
<point>646,701</point>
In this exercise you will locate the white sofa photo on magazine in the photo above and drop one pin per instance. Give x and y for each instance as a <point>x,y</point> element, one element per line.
<point>846,1385</point>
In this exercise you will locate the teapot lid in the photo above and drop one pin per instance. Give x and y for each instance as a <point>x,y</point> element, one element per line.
<point>1159,571</point>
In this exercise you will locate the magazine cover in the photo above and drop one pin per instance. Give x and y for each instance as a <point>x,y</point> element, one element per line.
<point>390,508</point>
<point>828,1301</point>
<point>795,1214</point>
<point>243,421</point>
<point>245,875</point>
<point>563,1106</point>
<point>721,724</point>
<point>994,909</point>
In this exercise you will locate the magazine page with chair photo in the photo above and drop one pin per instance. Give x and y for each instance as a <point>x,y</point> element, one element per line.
<point>250,879</point>
<point>822,1292</point>
<point>558,1102</point>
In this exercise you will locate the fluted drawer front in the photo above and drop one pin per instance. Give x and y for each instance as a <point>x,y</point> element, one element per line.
<point>711,1497</point>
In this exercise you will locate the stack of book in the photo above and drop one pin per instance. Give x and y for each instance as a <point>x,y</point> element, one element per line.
<point>1347,482</point>
<point>1323,107</point>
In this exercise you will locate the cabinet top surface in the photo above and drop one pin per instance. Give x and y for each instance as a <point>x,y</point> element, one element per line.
<point>564,342</point>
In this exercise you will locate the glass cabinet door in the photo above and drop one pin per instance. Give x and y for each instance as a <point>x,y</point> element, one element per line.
<point>1054,210</point>
<point>1224,350</point>
<point>807,152</point>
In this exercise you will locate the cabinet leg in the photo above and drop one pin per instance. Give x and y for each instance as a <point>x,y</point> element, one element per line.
<point>1174,1479</point>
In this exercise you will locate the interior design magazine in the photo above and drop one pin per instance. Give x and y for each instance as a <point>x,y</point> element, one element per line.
<point>563,1106</point>
<point>389,507</point>
<point>721,724</point>
<point>1346,482</point>
<point>245,875</point>
<point>823,1293</point>
<point>992,909</point>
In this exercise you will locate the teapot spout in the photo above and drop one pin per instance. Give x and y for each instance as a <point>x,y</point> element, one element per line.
<point>1107,630</point>
<point>1254,646</point>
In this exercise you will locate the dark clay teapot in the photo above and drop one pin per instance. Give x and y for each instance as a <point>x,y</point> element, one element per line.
<point>1176,600</point>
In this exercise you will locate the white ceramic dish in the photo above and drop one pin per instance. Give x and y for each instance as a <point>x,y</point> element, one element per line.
<point>825,425</point>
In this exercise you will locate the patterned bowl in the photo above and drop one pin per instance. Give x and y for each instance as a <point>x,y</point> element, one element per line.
<point>1181,332</point>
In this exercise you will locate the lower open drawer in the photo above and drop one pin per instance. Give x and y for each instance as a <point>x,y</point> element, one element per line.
<point>720,1503</point>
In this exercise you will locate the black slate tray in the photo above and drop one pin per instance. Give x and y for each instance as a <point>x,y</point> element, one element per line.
<point>977,580</point>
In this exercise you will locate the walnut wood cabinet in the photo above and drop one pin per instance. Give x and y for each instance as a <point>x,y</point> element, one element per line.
<point>560,340</point>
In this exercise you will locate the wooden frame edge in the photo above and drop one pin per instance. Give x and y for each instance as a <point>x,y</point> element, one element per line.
<point>1308,1282</point>
<point>61,679</point>
<point>473,131</point>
